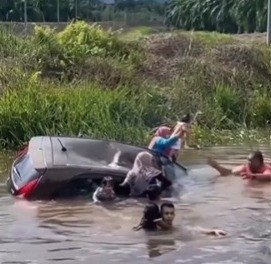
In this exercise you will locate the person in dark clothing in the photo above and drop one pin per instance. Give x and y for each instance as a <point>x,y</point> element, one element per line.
<point>150,215</point>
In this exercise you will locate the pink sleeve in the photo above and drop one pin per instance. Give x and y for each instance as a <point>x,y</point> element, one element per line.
<point>267,171</point>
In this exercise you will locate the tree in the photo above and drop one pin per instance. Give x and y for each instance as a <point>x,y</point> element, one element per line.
<point>229,16</point>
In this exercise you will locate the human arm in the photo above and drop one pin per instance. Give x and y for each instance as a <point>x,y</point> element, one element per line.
<point>185,132</point>
<point>265,176</point>
<point>163,225</point>
<point>222,170</point>
<point>238,170</point>
<point>211,232</point>
<point>160,143</point>
<point>165,143</point>
<point>152,143</point>
<point>178,129</point>
<point>139,226</point>
<point>95,195</point>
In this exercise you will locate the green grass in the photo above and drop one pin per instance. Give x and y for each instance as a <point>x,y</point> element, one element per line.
<point>38,110</point>
<point>119,86</point>
<point>237,136</point>
<point>137,33</point>
<point>212,39</point>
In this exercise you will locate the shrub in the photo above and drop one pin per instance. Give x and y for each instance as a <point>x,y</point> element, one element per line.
<point>260,109</point>
<point>228,102</point>
<point>81,39</point>
<point>39,110</point>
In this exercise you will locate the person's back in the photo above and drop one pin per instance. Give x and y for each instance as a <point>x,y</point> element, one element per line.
<point>144,173</point>
<point>161,141</point>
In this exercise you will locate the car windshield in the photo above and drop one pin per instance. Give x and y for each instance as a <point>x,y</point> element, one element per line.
<point>24,172</point>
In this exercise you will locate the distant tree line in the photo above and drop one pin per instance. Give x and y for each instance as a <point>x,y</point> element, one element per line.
<point>229,16</point>
<point>66,10</point>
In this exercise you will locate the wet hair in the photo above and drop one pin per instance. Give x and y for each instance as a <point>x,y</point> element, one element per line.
<point>153,192</point>
<point>151,213</point>
<point>256,155</point>
<point>186,118</point>
<point>166,204</point>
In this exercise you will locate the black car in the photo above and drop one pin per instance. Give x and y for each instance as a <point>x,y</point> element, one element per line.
<point>50,167</point>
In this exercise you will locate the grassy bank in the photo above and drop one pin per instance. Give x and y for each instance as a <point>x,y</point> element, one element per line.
<point>119,85</point>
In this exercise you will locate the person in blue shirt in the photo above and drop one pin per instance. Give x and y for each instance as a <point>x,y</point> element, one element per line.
<point>145,170</point>
<point>164,139</point>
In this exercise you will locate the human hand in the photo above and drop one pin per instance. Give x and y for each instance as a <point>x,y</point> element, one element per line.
<point>218,232</point>
<point>137,228</point>
<point>247,176</point>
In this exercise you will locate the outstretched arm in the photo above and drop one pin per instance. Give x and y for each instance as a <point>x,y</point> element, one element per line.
<point>211,232</point>
<point>238,170</point>
<point>222,170</point>
<point>140,225</point>
<point>166,142</point>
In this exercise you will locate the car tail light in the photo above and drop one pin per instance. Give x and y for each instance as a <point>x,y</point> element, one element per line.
<point>27,190</point>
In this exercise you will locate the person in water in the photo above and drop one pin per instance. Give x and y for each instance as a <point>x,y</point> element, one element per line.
<point>147,167</point>
<point>254,169</point>
<point>145,172</point>
<point>165,221</point>
<point>185,127</point>
<point>105,192</point>
<point>151,214</point>
<point>164,139</point>
<point>171,143</point>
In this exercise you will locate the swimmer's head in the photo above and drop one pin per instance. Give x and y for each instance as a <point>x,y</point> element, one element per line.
<point>107,182</point>
<point>168,212</point>
<point>106,191</point>
<point>255,161</point>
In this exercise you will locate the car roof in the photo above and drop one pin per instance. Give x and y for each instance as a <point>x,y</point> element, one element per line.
<point>51,152</point>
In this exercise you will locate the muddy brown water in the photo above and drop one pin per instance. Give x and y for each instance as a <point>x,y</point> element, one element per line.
<point>82,232</point>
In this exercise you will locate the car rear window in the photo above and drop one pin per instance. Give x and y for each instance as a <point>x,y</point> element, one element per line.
<point>24,171</point>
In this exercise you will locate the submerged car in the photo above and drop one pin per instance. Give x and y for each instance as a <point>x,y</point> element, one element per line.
<point>51,167</point>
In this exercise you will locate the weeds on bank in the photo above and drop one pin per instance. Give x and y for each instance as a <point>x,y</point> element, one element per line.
<point>50,110</point>
<point>90,81</point>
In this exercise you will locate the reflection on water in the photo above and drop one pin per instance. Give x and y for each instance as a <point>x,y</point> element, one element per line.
<point>82,232</point>
<point>159,246</point>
